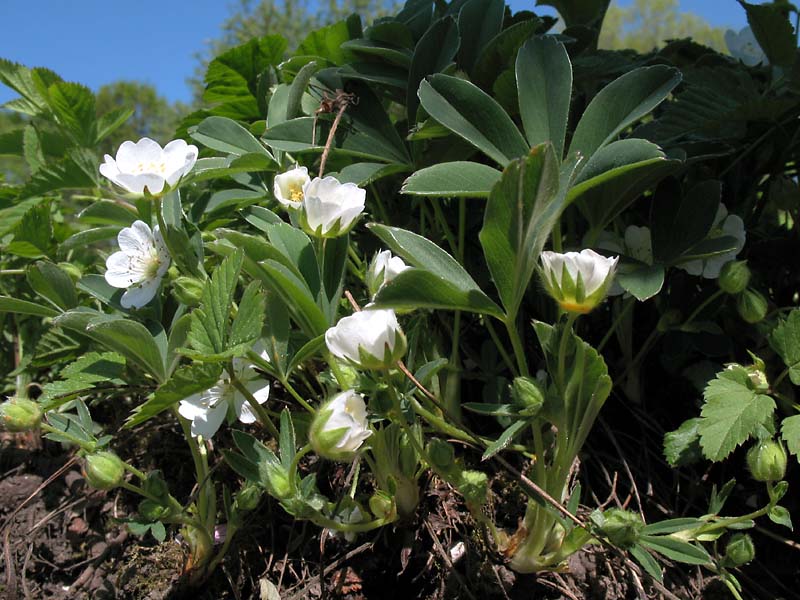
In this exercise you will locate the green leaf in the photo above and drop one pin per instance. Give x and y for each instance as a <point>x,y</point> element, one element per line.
<point>732,413</point>
<point>87,237</point>
<point>208,332</point>
<point>681,221</point>
<point>364,173</point>
<point>53,284</point>
<point>82,375</point>
<point>401,57</point>
<point>544,81</point>
<point>460,179</point>
<point>505,439</point>
<point>111,121</point>
<point>790,432</point>
<point>126,337</point>
<point>96,286</point>
<point>642,281</point>
<point>185,381</point>
<point>682,446</point>
<point>226,135</point>
<point>473,115</point>
<point>520,214</point>
<point>438,280</point>
<point>33,235</point>
<point>107,212</point>
<point>249,320</point>
<point>158,531</point>
<point>647,562</point>
<point>773,31</point>
<point>287,443</point>
<point>435,50</point>
<point>672,525</point>
<point>676,549</point>
<point>785,340</point>
<point>73,107</point>
<point>620,104</point>
<point>23,307</point>
<point>479,21</point>
<point>780,516</point>
<point>718,499</point>
<point>326,42</point>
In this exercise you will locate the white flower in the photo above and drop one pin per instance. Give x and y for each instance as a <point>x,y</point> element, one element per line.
<point>207,410</point>
<point>637,244</point>
<point>724,225</point>
<point>145,165</point>
<point>340,426</point>
<point>578,281</point>
<point>370,339</point>
<point>745,47</point>
<point>288,187</point>
<point>383,268</point>
<point>139,265</point>
<point>331,208</point>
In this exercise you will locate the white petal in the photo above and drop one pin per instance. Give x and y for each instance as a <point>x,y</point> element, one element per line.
<point>136,184</point>
<point>179,158</point>
<point>289,184</point>
<point>141,293</point>
<point>208,423</point>
<point>121,271</point>
<point>161,252</point>
<point>130,155</point>
<point>136,240</point>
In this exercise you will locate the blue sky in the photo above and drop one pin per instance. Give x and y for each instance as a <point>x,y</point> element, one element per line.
<point>99,41</point>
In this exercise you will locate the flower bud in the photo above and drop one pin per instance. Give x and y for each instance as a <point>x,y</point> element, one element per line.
<point>188,290</point>
<point>340,427</point>
<point>734,277</point>
<point>155,484</point>
<point>382,506</point>
<point>474,486</point>
<point>739,551</point>
<point>72,270</point>
<point>279,484</point>
<point>104,470</point>
<point>248,498</point>
<point>528,394</point>
<point>752,306</point>
<point>621,527</point>
<point>578,281</point>
<point>20,414</point>
<point>383,268</point>
<point>767,460</point>
<point>370,339</point>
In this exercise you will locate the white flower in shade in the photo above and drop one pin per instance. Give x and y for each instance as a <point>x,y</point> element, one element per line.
<point>724,225</point>
<point>340,426</point>
<point>288,187</point>
<point>745,47</point>
<point>636,243</point>
<point>207,410</point>
<point>145,165</point>
<point>139,265</point>
<point>330,208</point>
<point>383,268</point>
<point>578,281</point>
<point>370,339</point>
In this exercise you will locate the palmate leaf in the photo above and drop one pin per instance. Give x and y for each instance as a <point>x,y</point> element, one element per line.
<point>785,340</point>
<point>732,413</point>
<point>83,374</point>
<point>209,330</point>
<point>790,432</point>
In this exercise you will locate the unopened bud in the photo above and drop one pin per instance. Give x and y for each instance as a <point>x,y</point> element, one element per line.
<point>474,487</point>
<point>752,306</point>
<point>767,461</point>
<point>20,414</point>
<point>382,505</point>
<point>739,551</point>
<point>440,453</point>
<point>621,527</point>
<point>104,470</point>
<point>527,393</point>
<point>248,498</point>
<point>734,277</point>
<point>188,290</point>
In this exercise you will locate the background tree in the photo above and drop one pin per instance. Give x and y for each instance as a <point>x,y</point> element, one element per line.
<point>154,115</point>
<point>647,24</point>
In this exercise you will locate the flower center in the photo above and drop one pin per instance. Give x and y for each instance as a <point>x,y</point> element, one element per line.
<point>150,167</point>
<point>152,264</point>
<point>295,193</point>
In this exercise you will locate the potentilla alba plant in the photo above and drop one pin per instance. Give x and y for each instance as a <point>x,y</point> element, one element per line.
<point>145,166</point>
<point>330,208</point>
<point>369,339</point>
<point>724,225</point>
<point>207,410</point>
<point>140,264</point>
<point>578,281</point>
<point>288,187</point>
<point>383,268</point>
<point>744,46</point>
<point>340,426</point>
